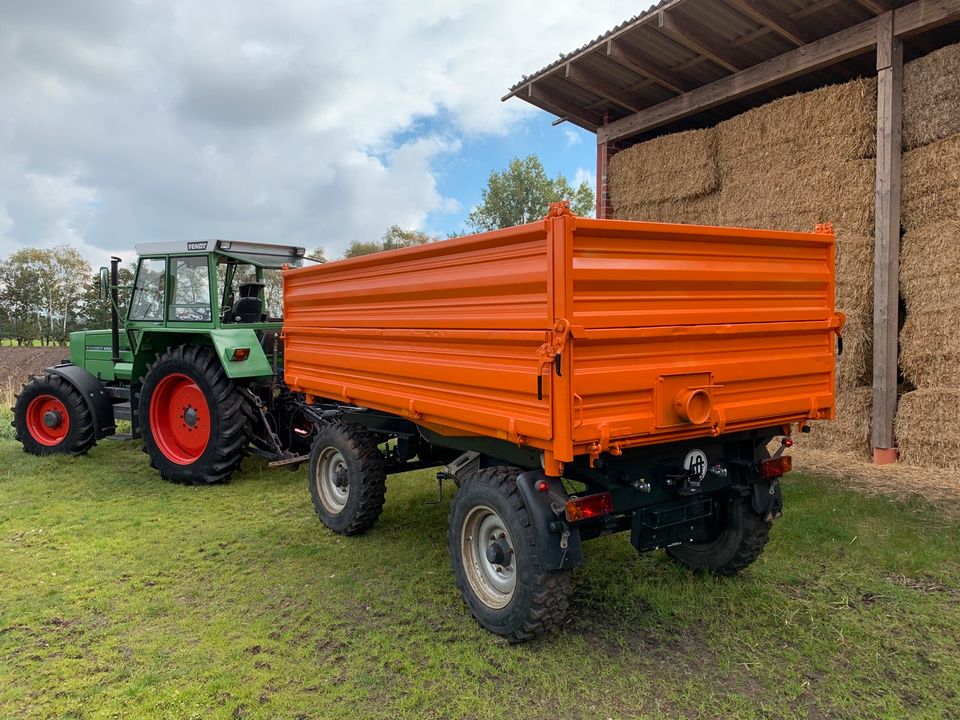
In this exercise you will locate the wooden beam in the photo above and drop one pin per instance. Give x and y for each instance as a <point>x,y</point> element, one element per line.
<point>561,106</point>
<point>886,292</point>
<point>694,37</point>
<point>602,87</point>
<point>632,60</point>
<point>877,7</point>
<point>769,15</point>
<point>918,16</point>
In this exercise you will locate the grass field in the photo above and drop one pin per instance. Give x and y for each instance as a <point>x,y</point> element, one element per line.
<point>124,596</point>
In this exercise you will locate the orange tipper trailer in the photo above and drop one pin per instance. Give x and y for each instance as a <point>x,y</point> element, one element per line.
<point>652,364</point>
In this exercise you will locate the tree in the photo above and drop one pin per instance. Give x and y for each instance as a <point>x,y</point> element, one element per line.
<point>521,194</point>
<point>94,313</point>
<point>393,239</point>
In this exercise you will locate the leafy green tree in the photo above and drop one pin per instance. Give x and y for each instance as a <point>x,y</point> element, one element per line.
<point>94,313</point>
<point>394,238</point>
<point>521,194</point>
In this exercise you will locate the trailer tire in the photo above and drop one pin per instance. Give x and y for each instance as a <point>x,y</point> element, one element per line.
<point>198,445</point>
<point>491,530</point>
<point>51,416</point>
<point>739,542</point>
<point>348,482</point>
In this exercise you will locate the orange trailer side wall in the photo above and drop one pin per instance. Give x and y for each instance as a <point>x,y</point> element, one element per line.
<point>453,335</point>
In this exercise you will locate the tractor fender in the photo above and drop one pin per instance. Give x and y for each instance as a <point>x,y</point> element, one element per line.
<point>548,526</point>
<point>100,404</point>
<point>226,341</point>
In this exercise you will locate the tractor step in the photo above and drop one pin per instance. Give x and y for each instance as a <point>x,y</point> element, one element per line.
<point>120,436</point>
<point>121,411</point>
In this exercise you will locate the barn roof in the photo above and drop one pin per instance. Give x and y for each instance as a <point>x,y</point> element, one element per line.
<point>691,63</point>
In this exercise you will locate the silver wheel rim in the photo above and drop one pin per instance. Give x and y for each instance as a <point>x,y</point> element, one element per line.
<point>330,480</point>
<point>492,582</point>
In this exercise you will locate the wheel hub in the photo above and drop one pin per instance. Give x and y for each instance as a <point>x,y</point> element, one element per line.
<point>190,417</point>
<point>47,420</point>
<point>332,479</point>
<point>180,418</point>
<point>499,552</point>
<point>488,557</point>
<point>52,418</point>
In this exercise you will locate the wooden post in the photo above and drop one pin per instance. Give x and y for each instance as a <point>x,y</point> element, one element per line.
<point>886,288</point>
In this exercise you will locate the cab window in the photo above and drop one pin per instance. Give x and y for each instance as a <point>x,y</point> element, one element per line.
<point>189,289</point>
<point>148,291</point>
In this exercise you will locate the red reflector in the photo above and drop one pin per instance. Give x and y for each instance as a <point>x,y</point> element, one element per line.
<point>543,486</point>
<point>240,354</point>
<point>788,442</point>
<point>775,467</point>
<point>591,506</point>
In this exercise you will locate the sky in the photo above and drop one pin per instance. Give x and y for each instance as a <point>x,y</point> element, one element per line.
<point>305,122</point>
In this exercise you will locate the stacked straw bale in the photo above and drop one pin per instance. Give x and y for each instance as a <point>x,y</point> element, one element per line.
<point>926,424</point>
<point>788,165</point>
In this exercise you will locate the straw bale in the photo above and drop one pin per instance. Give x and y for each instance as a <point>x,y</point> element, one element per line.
<point>703,210</point>
<point>854,264</point>
<point>930,266</point>
<point>930,347</point>
<point>931,184</point>
<point>926,427</point>
<point>850,432</point>
<point>798,198</point>
<point>672,167</point>
<point>823,125</point>
<point>855,366</point>
<point>931,97</point>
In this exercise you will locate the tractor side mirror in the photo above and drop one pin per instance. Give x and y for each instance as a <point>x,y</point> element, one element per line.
<point>104,284</point>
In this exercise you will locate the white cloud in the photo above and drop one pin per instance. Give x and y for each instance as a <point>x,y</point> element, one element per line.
<point>584,175</point>
<point>573,137</point>
<point>131,122</point>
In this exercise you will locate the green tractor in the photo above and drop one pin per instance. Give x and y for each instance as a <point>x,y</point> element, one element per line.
<point>196,368</point>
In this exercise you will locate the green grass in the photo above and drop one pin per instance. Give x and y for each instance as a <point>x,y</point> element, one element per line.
<point>125,596</point>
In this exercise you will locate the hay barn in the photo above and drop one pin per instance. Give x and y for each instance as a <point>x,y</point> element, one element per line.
<point>783,114</point>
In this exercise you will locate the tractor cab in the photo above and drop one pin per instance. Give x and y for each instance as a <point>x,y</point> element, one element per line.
<point>209,283</point>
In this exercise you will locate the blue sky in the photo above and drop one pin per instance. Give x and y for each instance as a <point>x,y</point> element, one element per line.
<point>311,122</point>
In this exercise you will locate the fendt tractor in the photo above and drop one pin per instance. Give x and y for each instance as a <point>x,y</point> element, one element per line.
<point>572,377</point>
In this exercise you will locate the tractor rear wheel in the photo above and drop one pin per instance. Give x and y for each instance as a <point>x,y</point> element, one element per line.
<point>196,421</point>
<point>51,416</point>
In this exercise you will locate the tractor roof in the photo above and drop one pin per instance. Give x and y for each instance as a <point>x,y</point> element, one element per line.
<point>264,254</point>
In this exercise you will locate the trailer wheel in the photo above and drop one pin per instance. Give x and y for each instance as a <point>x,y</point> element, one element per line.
<point>740,538</point>
<point>51,416</point>
<point>496,562</point>
<point>348,483</point>
<point>196,422</point>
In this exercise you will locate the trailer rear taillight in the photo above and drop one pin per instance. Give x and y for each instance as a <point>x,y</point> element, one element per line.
<point>591,506</point>
<point>775,467</point>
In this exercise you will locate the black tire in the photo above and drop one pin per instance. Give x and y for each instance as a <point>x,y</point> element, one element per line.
<point>740,539</point>
<point>348,482</point>
<point>228,421</point>
<point>539,598</point>
<point>72,430</point>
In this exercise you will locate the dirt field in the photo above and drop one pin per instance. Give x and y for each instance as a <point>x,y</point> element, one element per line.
<point>18,363</point>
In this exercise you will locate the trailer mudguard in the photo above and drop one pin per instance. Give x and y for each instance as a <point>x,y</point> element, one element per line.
<point>101,407</point>
<point>541,508</point>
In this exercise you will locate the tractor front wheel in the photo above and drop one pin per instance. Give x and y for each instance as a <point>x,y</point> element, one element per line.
<point>196,421</point>
<point>51,416</point>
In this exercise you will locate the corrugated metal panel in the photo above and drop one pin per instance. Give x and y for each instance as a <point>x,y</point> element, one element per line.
<point>455,334</point>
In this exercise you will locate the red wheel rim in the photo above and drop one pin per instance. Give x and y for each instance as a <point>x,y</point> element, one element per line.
<point>180,419</point>
<point>47,420</point>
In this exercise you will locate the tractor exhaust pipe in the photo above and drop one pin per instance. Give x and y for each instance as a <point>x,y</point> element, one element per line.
<point>114,313</point>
